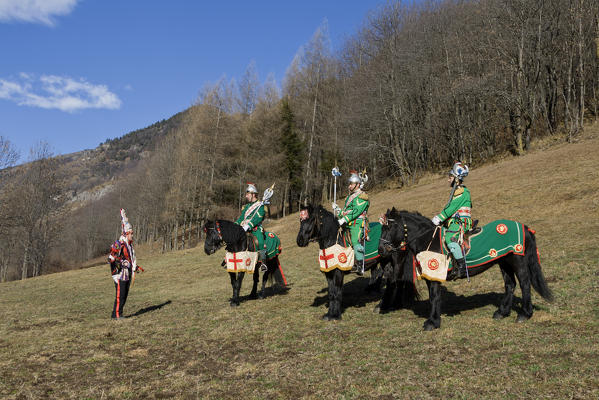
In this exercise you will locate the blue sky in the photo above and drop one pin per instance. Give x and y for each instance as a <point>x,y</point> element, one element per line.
<point>76,72</point>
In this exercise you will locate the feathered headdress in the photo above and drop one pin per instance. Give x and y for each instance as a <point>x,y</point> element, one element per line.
<point>125,225</point>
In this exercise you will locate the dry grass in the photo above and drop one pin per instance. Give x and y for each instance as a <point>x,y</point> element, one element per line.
<point>182,340</point>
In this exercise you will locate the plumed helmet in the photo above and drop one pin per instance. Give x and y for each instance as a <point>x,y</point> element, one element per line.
<point>354,177</point>
<point>251,188</point>
<point>459,170</point>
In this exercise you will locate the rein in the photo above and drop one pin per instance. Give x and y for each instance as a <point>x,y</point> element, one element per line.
<point>388,244</point>
<point>405,243</point>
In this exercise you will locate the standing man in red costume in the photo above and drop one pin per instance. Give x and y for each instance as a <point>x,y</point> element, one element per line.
<point>123,266</point>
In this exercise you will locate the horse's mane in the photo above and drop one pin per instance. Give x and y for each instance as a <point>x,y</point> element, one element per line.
<point>407,215</point>
<point>230,231</point>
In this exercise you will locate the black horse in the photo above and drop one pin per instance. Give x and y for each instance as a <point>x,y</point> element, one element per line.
<point>411,233</point>
<point>318,224</point>
<point>236,239</point>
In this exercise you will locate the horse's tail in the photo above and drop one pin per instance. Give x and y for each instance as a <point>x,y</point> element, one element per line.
<point>534,266</point>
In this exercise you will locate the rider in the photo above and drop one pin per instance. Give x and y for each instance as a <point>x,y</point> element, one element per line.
<point>354,215</point>
<point>456,216</point>
<point>251,218</point>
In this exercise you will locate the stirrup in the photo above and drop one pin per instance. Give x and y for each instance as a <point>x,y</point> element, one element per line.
<point>357,269</point>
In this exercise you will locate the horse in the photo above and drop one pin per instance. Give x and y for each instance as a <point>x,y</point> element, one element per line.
<point>318,224</point>
<point>235,239</point>
<point>412,233</point>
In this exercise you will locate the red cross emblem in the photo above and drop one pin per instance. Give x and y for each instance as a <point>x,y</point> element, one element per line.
<point>235,260</point>
<point>501,229</point>
<point>326,257</point>
<point>433,264</point>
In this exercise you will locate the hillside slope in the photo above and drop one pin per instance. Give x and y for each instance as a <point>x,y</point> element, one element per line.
<point>183,340</point>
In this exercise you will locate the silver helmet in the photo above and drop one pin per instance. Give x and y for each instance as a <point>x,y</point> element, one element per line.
<point>251,188</point>
<point>354,177</point>
<point>459,171</point>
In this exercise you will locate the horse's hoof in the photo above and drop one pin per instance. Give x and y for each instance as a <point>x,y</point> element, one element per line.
<point>234,304</point>
<point>326,317</point>
<point>377,310</point>
<point>261,296</point>
<point>428,326</point>
<point>497,315</point>
<point>522,318</point>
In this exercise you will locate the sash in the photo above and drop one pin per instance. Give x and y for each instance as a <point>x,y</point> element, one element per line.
<point>432,266</point>
<point>250,211</point>
<point>243,261</point>
<point>351,198</point>
<point>336,256</point>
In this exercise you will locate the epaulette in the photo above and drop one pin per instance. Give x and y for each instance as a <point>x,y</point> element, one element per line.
<point>363,196</point>
<point>458,191</point>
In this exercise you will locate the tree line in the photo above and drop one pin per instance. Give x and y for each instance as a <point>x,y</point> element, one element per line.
<point>417,87</point>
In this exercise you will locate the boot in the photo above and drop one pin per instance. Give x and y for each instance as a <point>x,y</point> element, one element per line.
<point>357,268</point>
<point>460,268</point>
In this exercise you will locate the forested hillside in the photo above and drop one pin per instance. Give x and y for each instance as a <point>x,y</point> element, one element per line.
<point>414,89</point>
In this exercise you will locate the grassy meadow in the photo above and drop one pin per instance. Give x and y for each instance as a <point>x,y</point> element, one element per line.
<point>182,340</point>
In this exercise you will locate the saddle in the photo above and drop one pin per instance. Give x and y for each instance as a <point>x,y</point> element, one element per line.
<point>473,231</point>
<point>252,242</point>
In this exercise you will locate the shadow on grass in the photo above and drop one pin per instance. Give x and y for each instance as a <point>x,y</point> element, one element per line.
<point>356,293</point>
<point>150,308</point>
<point>452,304</point>
<point>273,290</point>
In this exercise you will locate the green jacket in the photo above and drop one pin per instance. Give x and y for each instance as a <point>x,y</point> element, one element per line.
<point>459,209</point>
<point>251,214</point>
<point>355,207</point>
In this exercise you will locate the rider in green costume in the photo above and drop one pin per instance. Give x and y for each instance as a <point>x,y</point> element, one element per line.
<point>456,217</point>
<point>354,215</point>
<point>251,218</point>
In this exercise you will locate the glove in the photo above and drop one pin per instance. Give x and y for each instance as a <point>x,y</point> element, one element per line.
<point>341,221</point>
<point>436,220</point>
<point>336,208</point>
<point>246,227</point>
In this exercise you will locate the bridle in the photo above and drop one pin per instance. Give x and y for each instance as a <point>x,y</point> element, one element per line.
<point>218,231</point>
<point>405,243</point>
<point>384,220</point>
<point>304,216</point>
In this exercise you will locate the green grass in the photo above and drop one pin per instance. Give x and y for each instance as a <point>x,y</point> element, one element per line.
<point>182,340</point>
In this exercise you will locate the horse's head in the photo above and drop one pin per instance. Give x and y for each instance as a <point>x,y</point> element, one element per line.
<point>393,233</point>
<point>308,226</point>
<point>214,237</point>
<point>403,231</point>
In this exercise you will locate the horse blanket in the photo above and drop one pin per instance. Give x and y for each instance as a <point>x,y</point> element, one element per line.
<point>495,240</point>
<point>273,245</point>
<point>371,250</point>
<point>242,261</point>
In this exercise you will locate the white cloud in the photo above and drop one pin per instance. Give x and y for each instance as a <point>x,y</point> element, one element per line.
<point>36,11</point>
<point>57,92</point>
